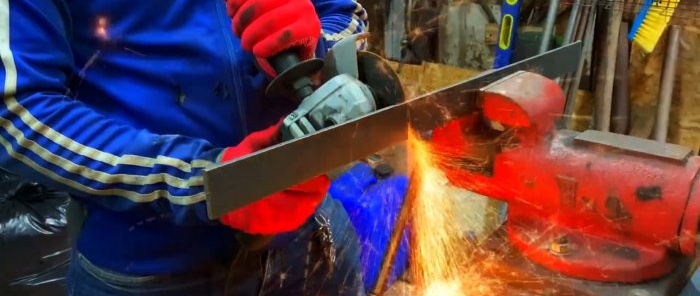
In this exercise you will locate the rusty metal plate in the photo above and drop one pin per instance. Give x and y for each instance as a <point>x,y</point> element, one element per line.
<point>634,145</point>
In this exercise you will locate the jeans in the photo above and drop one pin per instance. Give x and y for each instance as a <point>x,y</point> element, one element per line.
<point>305,265</point>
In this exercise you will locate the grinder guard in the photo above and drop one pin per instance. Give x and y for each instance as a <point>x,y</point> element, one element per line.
<point>368,67</point>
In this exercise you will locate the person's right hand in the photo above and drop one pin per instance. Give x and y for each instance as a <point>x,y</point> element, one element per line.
<point>280,212</point>
<point>269,27</point>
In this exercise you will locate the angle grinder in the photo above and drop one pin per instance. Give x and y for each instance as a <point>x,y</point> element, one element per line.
<point>353,83</point>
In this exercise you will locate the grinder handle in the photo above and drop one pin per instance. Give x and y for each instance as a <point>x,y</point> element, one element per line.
<point>293,75</point>
<point>284,61</point>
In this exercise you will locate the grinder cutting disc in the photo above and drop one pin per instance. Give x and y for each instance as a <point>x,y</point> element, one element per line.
<point>376,73</point>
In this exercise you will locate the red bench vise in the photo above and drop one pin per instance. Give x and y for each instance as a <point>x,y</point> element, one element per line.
<point>594,206</point>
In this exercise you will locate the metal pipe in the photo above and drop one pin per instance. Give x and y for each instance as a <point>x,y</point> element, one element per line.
<point>568,37</point>
<point>605,76</point>
<point>587,32</point>
<point>571,25</point>
<point>396,235</point>
<point>549,25</point>
<point>579,30</point>
<point>620,109</point>
<point>581,21</point>
<point>666,89</point>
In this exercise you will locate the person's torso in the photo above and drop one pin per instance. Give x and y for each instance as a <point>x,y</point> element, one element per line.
<point>171,67</point>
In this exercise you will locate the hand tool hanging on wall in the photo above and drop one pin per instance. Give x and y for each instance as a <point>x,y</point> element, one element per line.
<point>507,33</point>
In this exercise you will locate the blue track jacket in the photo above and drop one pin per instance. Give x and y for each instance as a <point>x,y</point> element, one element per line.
<point>123,103</point>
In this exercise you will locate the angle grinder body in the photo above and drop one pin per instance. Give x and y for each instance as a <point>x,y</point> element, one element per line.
<point>353,84</point>
<point>340,99</point>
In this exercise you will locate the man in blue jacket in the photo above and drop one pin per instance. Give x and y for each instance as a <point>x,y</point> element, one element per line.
<point>123,103</point>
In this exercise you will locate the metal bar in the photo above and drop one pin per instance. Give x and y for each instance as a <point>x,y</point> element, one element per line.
<point>666,89</point>
<point>635,145</point>
<point>582,23</point>
<point>578,34</point>
<point>396,235</point>
<point>229,186</point>
<point>569,35</point>
<point>620,109</point>
<point>587,36</point>
<point>549,25</point>
<point>487,10</point>
<point>606,73</point>
<point>571,25</point>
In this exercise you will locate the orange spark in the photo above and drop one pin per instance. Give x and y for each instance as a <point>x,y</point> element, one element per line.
<point>441,254</point>
<point>101,28</point>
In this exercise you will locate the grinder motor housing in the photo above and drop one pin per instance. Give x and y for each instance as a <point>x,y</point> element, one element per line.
<point>353,83</point>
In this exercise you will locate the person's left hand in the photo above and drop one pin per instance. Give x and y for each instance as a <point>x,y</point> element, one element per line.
<point>279,212</point>
<point>269,27</point>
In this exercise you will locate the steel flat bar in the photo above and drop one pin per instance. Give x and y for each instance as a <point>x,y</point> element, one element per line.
<point>231,185</point>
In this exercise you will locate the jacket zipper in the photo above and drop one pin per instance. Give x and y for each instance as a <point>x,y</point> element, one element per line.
<point>230,51</point>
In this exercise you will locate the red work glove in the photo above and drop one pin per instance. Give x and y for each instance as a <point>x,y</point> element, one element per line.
<point>268,27</point>
<point>280,212</point>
